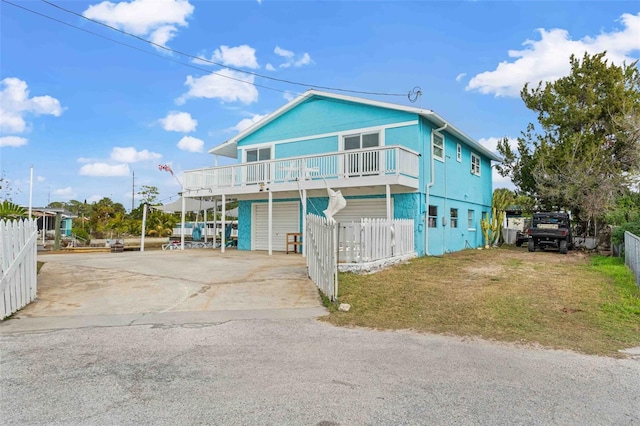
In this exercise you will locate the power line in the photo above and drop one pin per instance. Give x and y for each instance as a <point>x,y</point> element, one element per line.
<point>142,50</point>
<point>168,49</point>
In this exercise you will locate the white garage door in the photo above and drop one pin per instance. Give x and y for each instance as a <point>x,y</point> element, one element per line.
<point>363,207</point>
<point>286,218</point>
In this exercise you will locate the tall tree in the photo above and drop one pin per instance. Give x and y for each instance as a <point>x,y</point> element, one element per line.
<point>587,148</point>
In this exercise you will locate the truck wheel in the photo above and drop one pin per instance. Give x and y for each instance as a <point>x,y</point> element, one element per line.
<point>518,243</point>
<point>532,246</point>
<point>563,246</point>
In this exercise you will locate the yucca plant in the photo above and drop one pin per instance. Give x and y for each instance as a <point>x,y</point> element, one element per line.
<point>9,211</point>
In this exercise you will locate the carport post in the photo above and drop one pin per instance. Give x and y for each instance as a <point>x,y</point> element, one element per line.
<point>205,225</point>
<point>184,207</point>
<point>270,221</point>
<point>223,220</point>
<point>144,225</point>
<point>304,221</point>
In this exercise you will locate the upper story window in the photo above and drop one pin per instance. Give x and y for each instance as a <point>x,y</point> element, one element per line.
<point>258,154</point>
<point>475,164</point>
<point>459,153</point>
<point>438,146</point>
<point>367,140</point>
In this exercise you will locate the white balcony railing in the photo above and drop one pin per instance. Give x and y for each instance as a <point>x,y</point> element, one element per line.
<point>378,161</point>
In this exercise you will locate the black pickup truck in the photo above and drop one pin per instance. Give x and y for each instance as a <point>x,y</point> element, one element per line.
<point>550,230</point>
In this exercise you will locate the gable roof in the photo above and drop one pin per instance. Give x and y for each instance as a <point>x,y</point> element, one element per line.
<point>229,148</point>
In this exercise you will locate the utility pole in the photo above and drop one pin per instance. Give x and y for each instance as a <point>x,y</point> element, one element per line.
<point>133,188</point>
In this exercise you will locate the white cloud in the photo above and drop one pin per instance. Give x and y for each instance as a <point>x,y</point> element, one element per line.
<point>65,192</point>
<point>239,56</point>
<point>270,67</point>
<point>288,96</point>
<point>191,144</point>
<point>290,57</point>
<point>131,155</point>
<point>179,122</point>
<point>223,85</point>
<point>547,59</point>
<point>461,76</point>
<point>156,19</point>
<point>491,143</point>
<point>15,103</point>
<point>40,178</point>
<point>305,60</point>
<point>283,52</point>
<point>103,169</point>
<point>94,199</point>
<point>13,141</point>
<point>246,122</point>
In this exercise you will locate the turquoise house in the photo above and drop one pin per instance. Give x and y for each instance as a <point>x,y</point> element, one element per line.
<point>389,161</point>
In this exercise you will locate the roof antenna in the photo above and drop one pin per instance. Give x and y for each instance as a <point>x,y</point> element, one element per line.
<point>415,94</point>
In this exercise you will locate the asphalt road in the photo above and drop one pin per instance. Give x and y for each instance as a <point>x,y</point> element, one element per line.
<point>298,371</point>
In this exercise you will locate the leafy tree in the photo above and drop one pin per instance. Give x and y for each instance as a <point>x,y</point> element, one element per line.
<point>149,194</point>
<point>587,150</point>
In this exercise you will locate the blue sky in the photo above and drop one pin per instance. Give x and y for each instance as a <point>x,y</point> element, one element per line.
<point>88,112</point>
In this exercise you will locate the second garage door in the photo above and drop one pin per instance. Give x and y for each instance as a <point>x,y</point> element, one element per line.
<point>356,209</point>
<point>285,218</point>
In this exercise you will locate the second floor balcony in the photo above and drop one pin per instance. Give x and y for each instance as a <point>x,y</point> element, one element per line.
<point>393,165</point>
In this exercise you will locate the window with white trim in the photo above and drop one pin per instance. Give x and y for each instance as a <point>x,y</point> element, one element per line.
<point>433,216</point>
<point>459,153</point>
<point>438,146</point>
<point>454,218</point>
<point>362,163</point>
<point>475,164</point>
<point>258,154</point>
<point>258,173</point>
<point>470,219</point>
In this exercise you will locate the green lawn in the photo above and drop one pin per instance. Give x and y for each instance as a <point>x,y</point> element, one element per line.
<point>574,301</point>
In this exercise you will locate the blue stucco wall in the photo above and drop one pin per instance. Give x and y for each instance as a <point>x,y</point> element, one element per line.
<point>307,147</point>
<point>319,116</point>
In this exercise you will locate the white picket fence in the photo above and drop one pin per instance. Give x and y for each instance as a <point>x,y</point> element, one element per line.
<point>632,254</point>
<point>321,252</point>
<point>18,249</point>
<point>375,239</point>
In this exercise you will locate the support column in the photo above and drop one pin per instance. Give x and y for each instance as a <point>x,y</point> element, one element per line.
<point>144,225</point>
<point>304,223</point>
<point>223,240</point>
<point>270,222</point>
<point>206,227</point>
<point>389,213</point>
<point>182,229</point>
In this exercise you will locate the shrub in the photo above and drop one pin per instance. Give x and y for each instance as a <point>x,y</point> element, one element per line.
<point>618,235</point>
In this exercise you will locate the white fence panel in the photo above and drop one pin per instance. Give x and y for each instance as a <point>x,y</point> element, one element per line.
<point>321,255</point>
<point>375,239</point>
<point>18,249</point>
<point>632,254</point>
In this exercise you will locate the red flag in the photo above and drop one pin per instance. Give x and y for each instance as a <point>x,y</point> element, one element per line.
<point>166,168</point>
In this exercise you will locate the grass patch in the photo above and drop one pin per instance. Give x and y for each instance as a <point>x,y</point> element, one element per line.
<point>39,266</point>
<point>576,302</point>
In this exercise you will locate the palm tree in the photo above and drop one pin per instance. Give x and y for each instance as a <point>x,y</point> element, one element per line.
<point>9,210</point>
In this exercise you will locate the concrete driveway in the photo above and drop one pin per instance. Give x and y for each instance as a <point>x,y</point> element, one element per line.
<point>79,289</point>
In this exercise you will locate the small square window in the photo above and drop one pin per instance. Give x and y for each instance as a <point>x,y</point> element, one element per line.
<point>438,146</point>
<point>475,164</point>
<point>459,153</point>
<point>433,216</point>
